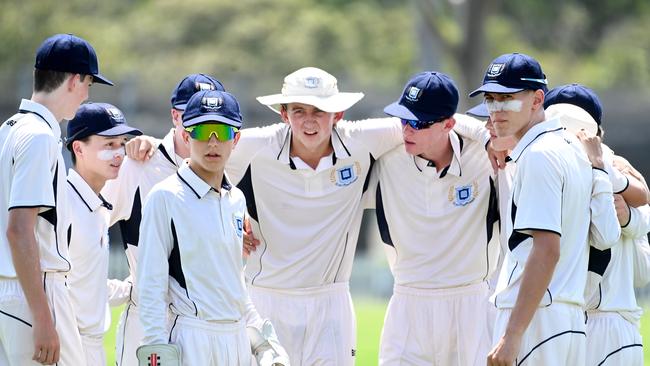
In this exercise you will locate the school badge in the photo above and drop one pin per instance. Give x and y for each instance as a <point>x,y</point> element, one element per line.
<point>239,226</point>
<point>345,175</point>
<point>413,94</point>
<point>495,70</point>
<point>462,195</point>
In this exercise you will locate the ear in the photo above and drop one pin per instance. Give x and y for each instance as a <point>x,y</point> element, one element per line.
<point>538,99</point>
<point>449,123</point>
<point>72,81</point>
<point>284,114</point>
<point>77,148</point>
<point>237,135</point>
<point>177,118</point>
<point>338,116</point>
<point>186,137</point>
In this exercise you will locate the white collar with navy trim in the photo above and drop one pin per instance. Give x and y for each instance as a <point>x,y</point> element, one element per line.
<point>340,151</point>
<point>87,195</point>
<point>42,111</point>
<point>533,133</point>
<point>197,184</point>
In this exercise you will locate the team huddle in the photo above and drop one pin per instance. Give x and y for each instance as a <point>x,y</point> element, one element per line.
<point>515,237</point>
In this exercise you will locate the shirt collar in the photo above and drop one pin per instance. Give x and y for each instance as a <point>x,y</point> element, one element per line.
<point>454,167</point>
<point>167,148</point>
<point>87,195</point>
<point>29,106</point>
<point>532,134</point>
<point>198,185</point>
<point>340,150</point>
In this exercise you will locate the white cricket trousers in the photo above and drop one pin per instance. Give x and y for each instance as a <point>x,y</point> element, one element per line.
<point>94,350</point>
<point>555,336</point>
<point>16,336</point>
<point>445,327</point>
<point>128,336</point>
<point>206,343</point>
<point>612,340</point>
<point>316,326</point>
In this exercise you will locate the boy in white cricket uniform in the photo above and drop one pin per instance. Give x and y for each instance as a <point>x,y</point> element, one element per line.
<point>613,314</point>
<point>304,180</point>
<point>539,294</point>
<point>37,323</point>
<point>128,192</point>
<point>437,212</point>
<point>190,253</point>
<point>96,138</point>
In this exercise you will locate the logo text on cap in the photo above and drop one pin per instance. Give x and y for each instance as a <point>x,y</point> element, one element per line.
<point>116,114</point>
<point>495,70</point>
<point>212,104</point>
<point>203,86</point>
<point>414,94</point>
<point>312,82</point>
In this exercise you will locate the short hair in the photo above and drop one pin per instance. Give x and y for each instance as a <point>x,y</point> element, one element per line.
<point>48,80</point>
<point>73,157</point>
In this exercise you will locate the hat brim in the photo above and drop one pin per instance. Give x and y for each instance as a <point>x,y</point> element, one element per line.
<point>332,104</point>
<point>573,118</point>
<point>98,78</point>
<point>494,88</point>
<point>400,111</point>
<point>120,130</point>
<point>207,118</point>
<point>479,111</point>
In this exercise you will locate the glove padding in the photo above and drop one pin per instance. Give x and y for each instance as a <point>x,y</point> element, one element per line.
<point>159,355</point>
<point>265,346</point>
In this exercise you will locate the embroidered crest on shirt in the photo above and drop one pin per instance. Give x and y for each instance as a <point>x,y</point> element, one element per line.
<point>346,175</point>
<point>239,226</point>
<point>462,195</point>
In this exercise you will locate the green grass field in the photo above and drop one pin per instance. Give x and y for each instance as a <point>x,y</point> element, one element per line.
<point>370,317</point>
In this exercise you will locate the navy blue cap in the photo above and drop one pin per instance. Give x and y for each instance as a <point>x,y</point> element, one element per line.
<point>101,119</point>
<point>428,96</point>
<point>479,111</point>
<point>212,106</point>
<point>512,73</point>
<point>191,84</point>
<point>578,95</point>
<point>68,53</point>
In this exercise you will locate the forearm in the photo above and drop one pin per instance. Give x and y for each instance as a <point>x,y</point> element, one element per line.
<point>635,194</point>
<point>535,280</point>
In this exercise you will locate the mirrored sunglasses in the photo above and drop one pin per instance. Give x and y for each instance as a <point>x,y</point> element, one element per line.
<point>420,125</point>
<point>203,132</point>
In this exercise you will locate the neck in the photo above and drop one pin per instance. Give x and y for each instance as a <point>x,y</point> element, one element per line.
<point>212,178</point>
<point>51,101</point>
<point>439,153</point>
<point>535,119</point>
<point>94,180</point>
<point>311,157</point>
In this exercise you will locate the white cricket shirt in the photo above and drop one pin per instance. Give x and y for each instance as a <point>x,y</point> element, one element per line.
<point>552,191</point>
<point>441,225</point>
<point>307,220</point>
<point>190,254</point>
<point>33,175</point>
<point>88,247</point>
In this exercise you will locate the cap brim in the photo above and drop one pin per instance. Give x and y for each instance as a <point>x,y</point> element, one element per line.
<point>207,118</point>
<point>400,111</point>
<point>333,104</point>
<point>98,78</point>
<point>120,130</point>
<point>494,88</point>
<point>573,118</point>
<point>479,111</point>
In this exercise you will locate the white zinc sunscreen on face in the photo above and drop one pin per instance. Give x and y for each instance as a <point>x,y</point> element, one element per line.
<point>110,154</point>
<point>506,106</point>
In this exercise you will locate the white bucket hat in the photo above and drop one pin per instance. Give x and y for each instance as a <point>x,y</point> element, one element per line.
<point>573,118</point>
<point>311,86</point>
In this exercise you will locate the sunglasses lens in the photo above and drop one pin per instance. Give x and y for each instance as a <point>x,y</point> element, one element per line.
<point>203,132</point>
<point>416,125</point>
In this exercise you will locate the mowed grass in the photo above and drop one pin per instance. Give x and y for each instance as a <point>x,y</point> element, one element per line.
<point>370,318</point>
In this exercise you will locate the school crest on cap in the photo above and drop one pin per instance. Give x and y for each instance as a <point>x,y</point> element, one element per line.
<point>116,114</point>
<point>239,225</point>
<point>495,70</point>
<point>211,103</point>
<point>346,175</point>
<point>312,82</point>
<point>413,94</point>
<point>463,195</point>
<point>198,86</point>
